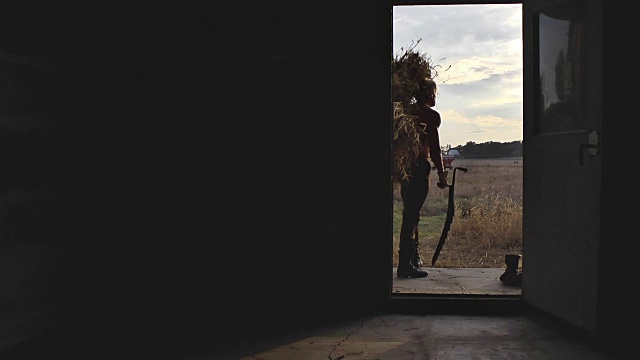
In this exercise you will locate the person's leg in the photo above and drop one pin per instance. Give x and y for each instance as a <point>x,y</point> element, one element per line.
<point>413,193</point>
<point>421,191</point>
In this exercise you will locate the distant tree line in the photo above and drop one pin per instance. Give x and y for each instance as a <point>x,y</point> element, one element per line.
<point>491,149</point>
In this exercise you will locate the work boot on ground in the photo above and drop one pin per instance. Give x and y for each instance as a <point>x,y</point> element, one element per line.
<point>406,269</point>
<point>511,276</point>
<point>410,271</point>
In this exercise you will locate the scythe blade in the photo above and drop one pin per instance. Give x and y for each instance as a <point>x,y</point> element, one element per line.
<point>449,220</point>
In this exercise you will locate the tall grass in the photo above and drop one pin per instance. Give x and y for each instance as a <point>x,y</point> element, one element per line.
<point>488,216</point>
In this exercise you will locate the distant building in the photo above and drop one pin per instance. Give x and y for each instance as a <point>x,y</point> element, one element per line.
<point>453,152</point>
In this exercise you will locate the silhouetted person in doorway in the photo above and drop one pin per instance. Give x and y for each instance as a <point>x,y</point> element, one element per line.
<point>414,190</point>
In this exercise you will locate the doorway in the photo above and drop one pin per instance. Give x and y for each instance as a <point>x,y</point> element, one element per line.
<point>475,54</point>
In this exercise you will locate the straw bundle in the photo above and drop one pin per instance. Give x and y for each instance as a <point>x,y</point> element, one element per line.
<point>406,142</point>
<point>408,70</point>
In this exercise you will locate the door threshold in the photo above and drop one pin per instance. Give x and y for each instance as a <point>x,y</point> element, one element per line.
<point>456,283</point>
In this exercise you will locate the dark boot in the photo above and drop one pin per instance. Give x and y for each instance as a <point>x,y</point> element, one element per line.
<point>511,276</point>
<point>406,269</point>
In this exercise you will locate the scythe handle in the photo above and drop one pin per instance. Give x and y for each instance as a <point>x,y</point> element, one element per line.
<point>449,220</point>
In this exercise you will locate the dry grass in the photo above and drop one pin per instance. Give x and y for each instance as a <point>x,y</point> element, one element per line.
<point>406,142</point>
<point>488,218</point>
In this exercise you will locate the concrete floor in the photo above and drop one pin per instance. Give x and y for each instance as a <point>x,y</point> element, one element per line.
<point>461,333</point>
<point>437,326</point>
<point>433,337</point>
<point>465,281</point>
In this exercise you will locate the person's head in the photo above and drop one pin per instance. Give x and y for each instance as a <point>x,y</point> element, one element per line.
<point>426,94</point>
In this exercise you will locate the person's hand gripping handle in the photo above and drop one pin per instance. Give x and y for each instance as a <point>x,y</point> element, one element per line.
<point>442,180</point>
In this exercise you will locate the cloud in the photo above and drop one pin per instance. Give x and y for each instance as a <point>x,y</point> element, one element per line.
<point>478,53</point>
<point>475,68</point>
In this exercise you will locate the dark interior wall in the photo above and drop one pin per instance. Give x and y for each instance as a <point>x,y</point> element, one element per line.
<point>619,315</point>
<point>193,168</point>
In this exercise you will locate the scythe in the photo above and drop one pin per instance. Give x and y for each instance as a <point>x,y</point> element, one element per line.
<point>449,220</point>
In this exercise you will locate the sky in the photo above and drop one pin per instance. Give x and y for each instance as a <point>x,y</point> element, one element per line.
<point>477,51</point>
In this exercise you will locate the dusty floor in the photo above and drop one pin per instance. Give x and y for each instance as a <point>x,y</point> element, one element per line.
<point>399,335</point>
<point>433,337</point>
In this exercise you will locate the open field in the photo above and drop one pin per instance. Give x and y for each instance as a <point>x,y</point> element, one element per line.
<point>488,218</point>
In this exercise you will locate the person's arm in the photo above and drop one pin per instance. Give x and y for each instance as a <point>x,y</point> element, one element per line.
<point>433,136</point>
<point>435,153</point>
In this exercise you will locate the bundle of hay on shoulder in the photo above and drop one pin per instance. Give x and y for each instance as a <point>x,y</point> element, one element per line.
<point>406,142</point>
<point>408,70</point>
